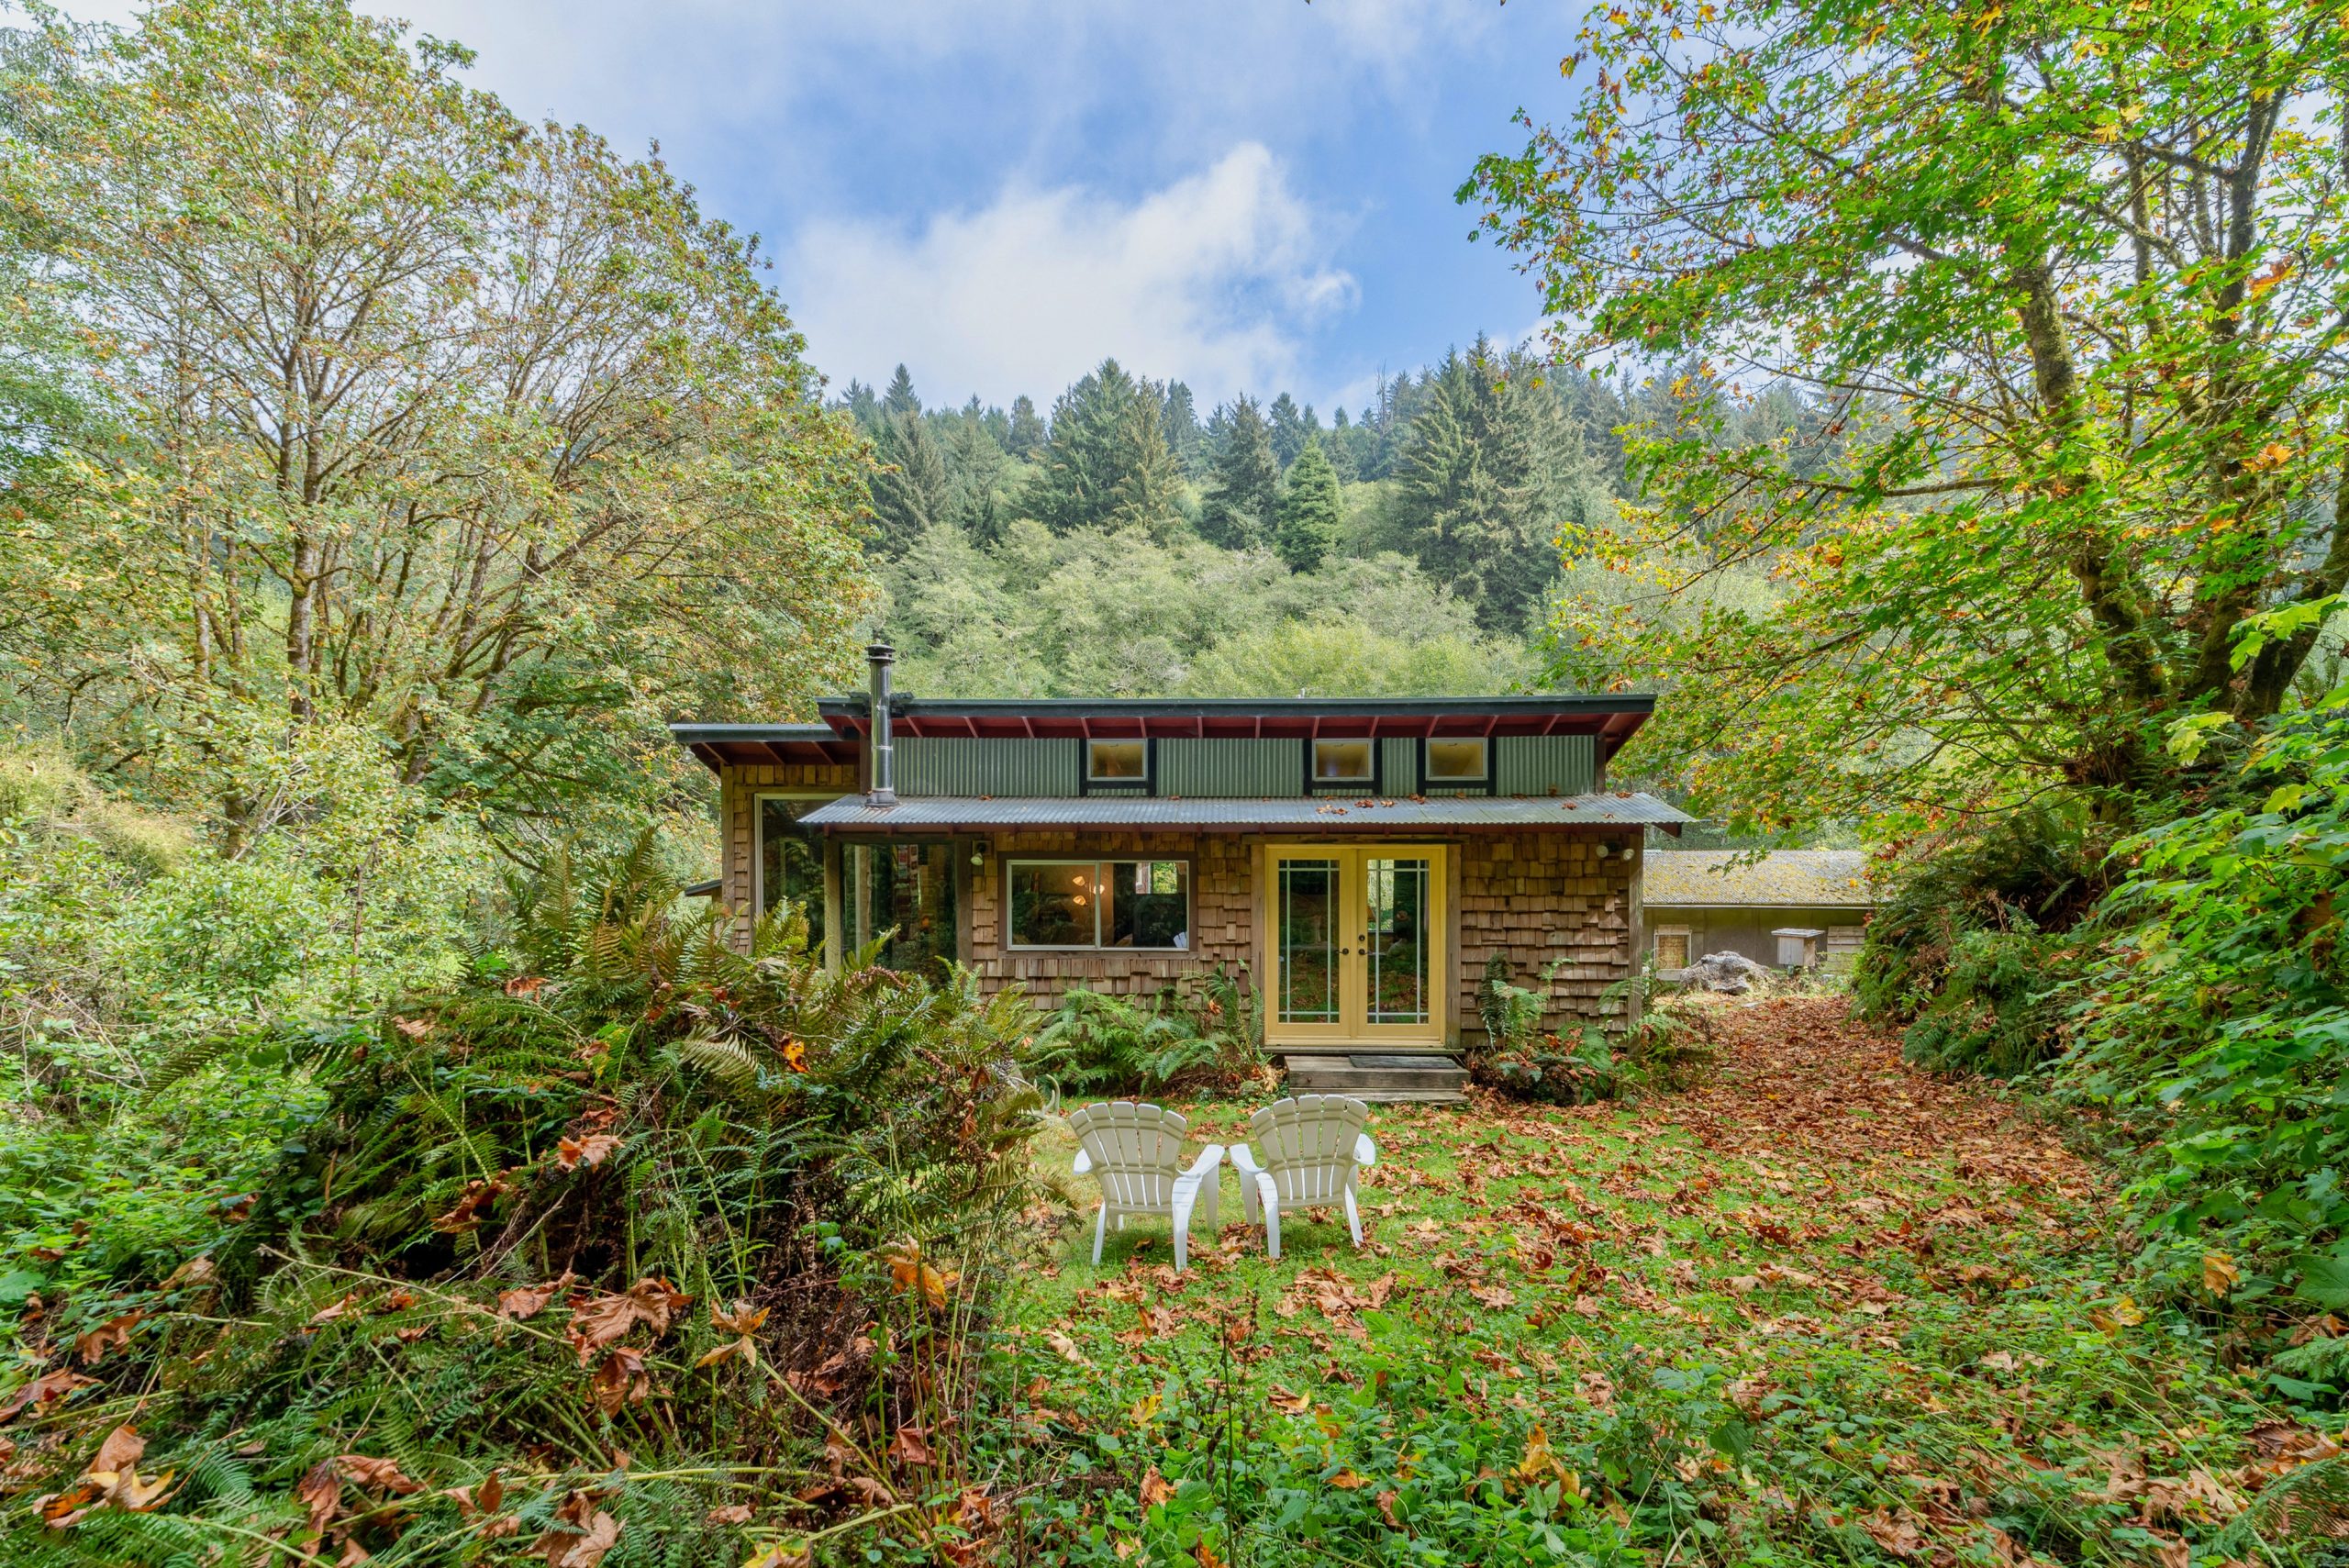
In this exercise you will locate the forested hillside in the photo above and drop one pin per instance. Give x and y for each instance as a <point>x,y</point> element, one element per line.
<point>1127,544</point>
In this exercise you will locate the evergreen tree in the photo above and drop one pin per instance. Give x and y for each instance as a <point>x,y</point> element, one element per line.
<point>911,494</point>
<point>1340,447</point>
<point>900,398</point>
<point>1308,533</point>
<point>861,405</point>
<point>1024,439</point>
<point>1481,481</point>
<point>1184,439</point>
<point>1289,428</point>
<point>977,474</point>
<point>1105,463</point>
<point>1244,486</point>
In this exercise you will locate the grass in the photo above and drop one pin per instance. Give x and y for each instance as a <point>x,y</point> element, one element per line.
<point>1819,1309</point>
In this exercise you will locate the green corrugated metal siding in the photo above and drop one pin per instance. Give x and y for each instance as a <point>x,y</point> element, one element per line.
<point>937,765</point>
<point>1546,764</point>
<point>1398,765</point>
<point>1229,769</point>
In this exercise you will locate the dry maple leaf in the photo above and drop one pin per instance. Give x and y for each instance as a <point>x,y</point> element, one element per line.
<point>584,1535</point>
<point>46,1389</point>
<point>114,1334</point>
<point>1291,1404</point>
<point>467,1213</point>
<point>380,1475</point>
<point>591,1150</point>
<point>908,1271</point>
<point>730,1514</point>
<point>912,1446</point>
<point>321,1494</point>
<point>2219,1274</point>
<point>527,1301</point>
<point>605,1320</point>
<point>1347,1480</point>
<point>743,1320</point>
<point>1154,1489</point>
<point>1896,1532</point>
<point>1065,1348</point>
<point>621,1380</point>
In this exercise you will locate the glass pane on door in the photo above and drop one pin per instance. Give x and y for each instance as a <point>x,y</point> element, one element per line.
<point>1307,929</point>
<point>1396,930</point>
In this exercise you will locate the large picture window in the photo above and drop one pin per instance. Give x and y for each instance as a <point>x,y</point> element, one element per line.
<point>905,889</point>
<point>1099,903</point>
<point>791,862</point>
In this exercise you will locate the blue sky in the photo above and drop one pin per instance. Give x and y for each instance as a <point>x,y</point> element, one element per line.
<point>1253,195</point>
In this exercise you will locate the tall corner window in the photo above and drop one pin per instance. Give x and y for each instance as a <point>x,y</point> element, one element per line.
<point>1459,762</point>
<point>1672,947</point>
<point>1116,761</point>
<point>1342,762</point>
<point>790,862</point>
<point>1099,903</point>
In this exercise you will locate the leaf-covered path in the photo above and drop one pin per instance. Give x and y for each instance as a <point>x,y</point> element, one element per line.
<point>1823,1307</point>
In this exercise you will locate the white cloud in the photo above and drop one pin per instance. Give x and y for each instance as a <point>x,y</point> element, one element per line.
<point>1210,278</point>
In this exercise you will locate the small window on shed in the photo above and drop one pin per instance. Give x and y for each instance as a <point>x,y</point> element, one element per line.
<point>1341,761</point>
<point>1456,761</point>
<point>1672,947</point>
<point>1116,762</point>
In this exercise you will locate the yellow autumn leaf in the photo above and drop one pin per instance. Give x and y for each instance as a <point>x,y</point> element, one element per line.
<point>2219,1273</point>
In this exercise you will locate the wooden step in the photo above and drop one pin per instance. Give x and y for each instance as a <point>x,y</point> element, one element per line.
<point>1384,1077</point>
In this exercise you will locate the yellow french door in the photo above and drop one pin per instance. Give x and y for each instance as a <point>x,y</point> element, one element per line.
<point>1355,949</point>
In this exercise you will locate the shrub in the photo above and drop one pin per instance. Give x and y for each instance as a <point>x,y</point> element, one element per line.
<point>581,1198</point>
<point>1094,1043</point>
<point>1962,948</point>
<point>1521,1061</point>
<point>2214,1020</point>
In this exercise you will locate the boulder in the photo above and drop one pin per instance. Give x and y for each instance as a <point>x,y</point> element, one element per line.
<point>1730,974</point>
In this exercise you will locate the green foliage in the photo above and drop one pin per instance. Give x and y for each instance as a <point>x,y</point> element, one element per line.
<point>1307,530</point>
<point>1244,486</point>
<point>1481,481</point>
<point>1092,613</point>
<point>2213,1017</point>
<point>2057,441</point>
<point>567,475</point>
<point>148,983</point>
<point>1518,1058</point>
<point>1106,464</point>
<point>617,1096</point>
<point>1962,948</point>
<point>1094,1043</point>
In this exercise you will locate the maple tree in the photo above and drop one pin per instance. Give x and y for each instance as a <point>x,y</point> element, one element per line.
<point>2058,282</point>
<point>395,410</point>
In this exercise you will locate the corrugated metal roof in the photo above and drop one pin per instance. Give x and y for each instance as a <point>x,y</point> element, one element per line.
<point>936,812</point>
<point>1834,878</point>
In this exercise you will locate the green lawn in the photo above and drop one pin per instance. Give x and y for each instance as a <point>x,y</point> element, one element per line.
<point>1821,1308</point>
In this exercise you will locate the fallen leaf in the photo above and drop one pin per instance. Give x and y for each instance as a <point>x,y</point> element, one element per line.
<point>592,1151</point>
<point>1065,1348</point>
<point>912,1446</point>
<point>43,1390</point>
<point>114,1334</point>
<point>605,1320</point>
<point>525,1302</point>
<point>730,1514</point>
<point>380,1475</point>
<point>586,1534</point>
<point>1154,1489</point>
<point>621,1380</point>
<point>1348,1481</point>
<point>2219,1274</point>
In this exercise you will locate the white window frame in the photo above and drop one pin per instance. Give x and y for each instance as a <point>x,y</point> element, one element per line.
<point>1141,778</point>
<point>1484,773</point>
<point>1011,865</point>
<point>1370,757</point>
<point>759,841</point>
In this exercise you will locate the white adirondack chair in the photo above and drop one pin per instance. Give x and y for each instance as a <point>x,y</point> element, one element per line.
<point>1136,1153</point>
<point>1312,1144</point>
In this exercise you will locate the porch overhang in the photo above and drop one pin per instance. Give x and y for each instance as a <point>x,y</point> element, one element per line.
<point>1388,817</point>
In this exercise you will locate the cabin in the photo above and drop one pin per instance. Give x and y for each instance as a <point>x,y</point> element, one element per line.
<point>1785,909</point>
<point>1356,860</point>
